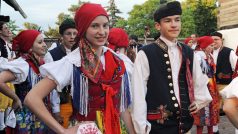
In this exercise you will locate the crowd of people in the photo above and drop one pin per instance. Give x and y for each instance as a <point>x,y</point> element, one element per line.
<point>98,79</point>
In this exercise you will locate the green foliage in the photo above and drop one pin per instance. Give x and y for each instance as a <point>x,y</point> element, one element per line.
<point>188,24</point>
<point>113,11</point>
<point>54,32</point>
<point>29,25</point>
<point>199,16</point>
<point>141,16</point>
<point>13,27</point>
<point>121,23</point>
<point>205,17</point>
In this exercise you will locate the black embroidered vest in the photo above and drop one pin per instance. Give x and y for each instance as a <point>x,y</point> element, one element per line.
<point>160,90</point>
<point>223,68</point>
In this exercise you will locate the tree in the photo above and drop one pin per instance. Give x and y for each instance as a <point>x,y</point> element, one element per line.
<point>188,24</point>
<point>13,27</point>
<point>205,17</point>
<point>29,25</point>
<point>54,32</point>
<point>141,16</point>
<point>113,11</point>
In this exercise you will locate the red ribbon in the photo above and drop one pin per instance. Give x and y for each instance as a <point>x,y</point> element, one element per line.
<point>111,116</point>
<point>189,81</point>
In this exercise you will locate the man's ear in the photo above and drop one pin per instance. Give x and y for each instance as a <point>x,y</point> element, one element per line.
<point>157,26</point>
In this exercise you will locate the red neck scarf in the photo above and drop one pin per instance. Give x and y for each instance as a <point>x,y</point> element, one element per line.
<point>114,68</point>
<point>33,63</point>
<point>91,65</point>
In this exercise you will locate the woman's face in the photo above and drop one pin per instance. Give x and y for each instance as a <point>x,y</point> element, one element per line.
<point>39,47</point>
<point>97,32</point>
<point>190,43</point>
<point>209,48</point>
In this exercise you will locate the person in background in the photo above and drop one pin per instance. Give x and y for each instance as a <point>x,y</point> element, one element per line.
<point>209,115</point>
<point>225,60</point>
<point>98,77</point>
<point>118,41</point>
<point>24,73</point>
<point>230,95</point>
<point>134,44</point>
<point>63,112</point>
<point>194,41</point>
<point>168,85</point>
<point>188,41</point>
<point>5,52</point>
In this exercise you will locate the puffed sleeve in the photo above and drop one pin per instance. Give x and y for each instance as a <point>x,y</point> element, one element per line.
<point>19,67</point>
<point>230,90</point>
<point>140,77</point>
<point>60,71</point>
<point>201,93</point>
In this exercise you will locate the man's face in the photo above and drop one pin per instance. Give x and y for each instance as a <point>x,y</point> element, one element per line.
<point>68,37</point>
<point>132,42</point>
<point>169,27</point>
<point>5,31</point>
<point>194,38</point>
<point>217,42</point>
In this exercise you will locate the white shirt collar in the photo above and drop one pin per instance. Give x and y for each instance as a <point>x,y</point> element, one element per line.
<point>67,50</point>
<point>168,42</point>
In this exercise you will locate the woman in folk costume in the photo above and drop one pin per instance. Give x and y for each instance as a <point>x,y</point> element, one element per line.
<point>119,42</point>
<point>209,115</point>
<point>188,41</point>
<point>24,73</point>
<point>98,77</point>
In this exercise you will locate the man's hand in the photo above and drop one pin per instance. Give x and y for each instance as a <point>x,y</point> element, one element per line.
<point>193,108</point>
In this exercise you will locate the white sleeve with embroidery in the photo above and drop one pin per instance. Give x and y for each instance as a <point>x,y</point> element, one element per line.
<point>19,67</point>
<point>139,89</point>
<point>60,71</point>
<point>230,90</point>
<point>201,93</point>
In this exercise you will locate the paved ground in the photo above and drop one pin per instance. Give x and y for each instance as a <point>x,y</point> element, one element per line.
<point>225,127</point>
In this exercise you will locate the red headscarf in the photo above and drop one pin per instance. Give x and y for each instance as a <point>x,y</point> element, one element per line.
<point>205,41</point>
<point>86,14</point>
<point>24,40</point>
<point>187,40</point>
<point>118,38</point>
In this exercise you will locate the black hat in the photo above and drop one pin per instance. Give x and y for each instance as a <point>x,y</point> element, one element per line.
<point>66,24</point>
<point>4,18</point>
<point>133,37</point>
<point>169,9</point>
<point>216,34</point>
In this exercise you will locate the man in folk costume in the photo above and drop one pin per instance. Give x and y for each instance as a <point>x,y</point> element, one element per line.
<point>63,112</point>
<point>168,85</point>
<point>225,60</point>
<point>7,53</point>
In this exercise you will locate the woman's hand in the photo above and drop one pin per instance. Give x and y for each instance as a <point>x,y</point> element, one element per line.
<point>16,104</point>
<point>58,118</point>
<point>72,130</point>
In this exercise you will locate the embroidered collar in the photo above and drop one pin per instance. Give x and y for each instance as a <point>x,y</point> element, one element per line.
<point>75,59</point>
<point>168,43</point>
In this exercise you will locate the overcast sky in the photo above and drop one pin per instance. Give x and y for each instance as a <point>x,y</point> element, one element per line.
<point>44,12</point>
